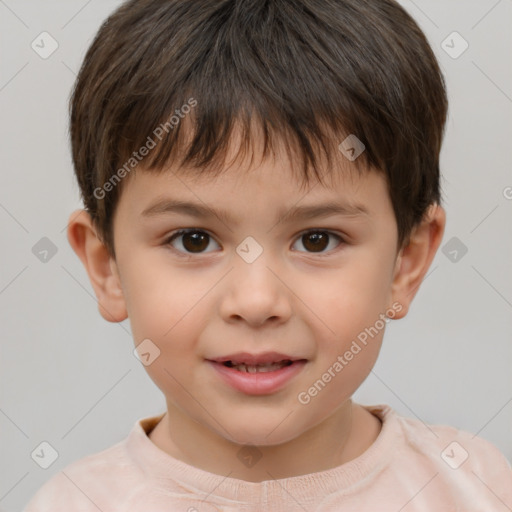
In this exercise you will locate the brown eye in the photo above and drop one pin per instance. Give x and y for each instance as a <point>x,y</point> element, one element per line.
<point>192,241</point>
<point>317,241</point>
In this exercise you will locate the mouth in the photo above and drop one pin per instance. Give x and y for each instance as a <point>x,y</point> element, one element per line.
<point>257,374</point>
<point>258,368</point>
<point>255,363</point>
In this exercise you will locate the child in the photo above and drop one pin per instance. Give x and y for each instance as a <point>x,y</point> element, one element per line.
<point>261,190</point>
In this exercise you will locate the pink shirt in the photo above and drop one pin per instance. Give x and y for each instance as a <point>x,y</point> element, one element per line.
<point>410,467</point>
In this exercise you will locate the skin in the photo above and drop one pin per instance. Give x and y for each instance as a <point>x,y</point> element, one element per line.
<point>305,302</point>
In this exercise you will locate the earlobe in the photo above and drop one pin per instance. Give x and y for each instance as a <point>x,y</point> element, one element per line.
<point>99,264</point>
<point>415,258</point>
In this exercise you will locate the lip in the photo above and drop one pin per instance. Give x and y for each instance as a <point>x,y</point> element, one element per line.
<point>263,383</point>
<point>253,359</point>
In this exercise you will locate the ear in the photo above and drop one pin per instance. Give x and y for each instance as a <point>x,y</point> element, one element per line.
<point>99,264</point>
<point>414,259</point>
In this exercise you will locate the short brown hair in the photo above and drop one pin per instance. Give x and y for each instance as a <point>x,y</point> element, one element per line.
<point>301,69</point>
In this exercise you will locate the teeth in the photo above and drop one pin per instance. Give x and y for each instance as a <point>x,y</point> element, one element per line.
<point>261,368</point>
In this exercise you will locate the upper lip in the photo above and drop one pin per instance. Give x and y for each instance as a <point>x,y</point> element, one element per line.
<point>252,359</point>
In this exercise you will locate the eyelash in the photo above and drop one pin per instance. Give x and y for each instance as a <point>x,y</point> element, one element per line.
<point>180,232</point>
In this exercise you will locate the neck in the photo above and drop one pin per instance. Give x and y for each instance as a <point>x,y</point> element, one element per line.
<point>341,437</point>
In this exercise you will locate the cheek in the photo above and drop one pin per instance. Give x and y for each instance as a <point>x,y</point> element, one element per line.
<point>163,301</point>
<point>165,307</point>
<point>171,308</point>
<point>349,300</point>
<point>349,340</point>
<point>348,328</point>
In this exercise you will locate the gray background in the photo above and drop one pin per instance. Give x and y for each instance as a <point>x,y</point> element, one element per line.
<point>70,378</point>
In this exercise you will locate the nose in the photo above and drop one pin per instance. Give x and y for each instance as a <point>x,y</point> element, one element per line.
<point>256,293</point>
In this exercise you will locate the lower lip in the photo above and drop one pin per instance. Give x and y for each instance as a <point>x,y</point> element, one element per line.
<point>260,383</point>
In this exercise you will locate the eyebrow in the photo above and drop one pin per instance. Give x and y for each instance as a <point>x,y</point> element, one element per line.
<point>327,209</point>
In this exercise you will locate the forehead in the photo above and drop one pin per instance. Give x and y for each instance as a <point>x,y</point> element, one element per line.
<point>277,158</point>
<point>266,193</point>
<point>276,177</point>
<point>256,194</point>
<point>250,171</point>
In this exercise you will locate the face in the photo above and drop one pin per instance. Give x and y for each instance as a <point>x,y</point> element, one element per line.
<point>263,272</point>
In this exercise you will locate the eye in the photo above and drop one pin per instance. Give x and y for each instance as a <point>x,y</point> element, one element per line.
<point>195,241</point>
<point>316,240</point>
<point>192,241</point>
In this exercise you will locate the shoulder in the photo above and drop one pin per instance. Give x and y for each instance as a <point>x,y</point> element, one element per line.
<point>88,484</point>
<point>453,446</point>
<point>459,459</point>
<point>110,480</point>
